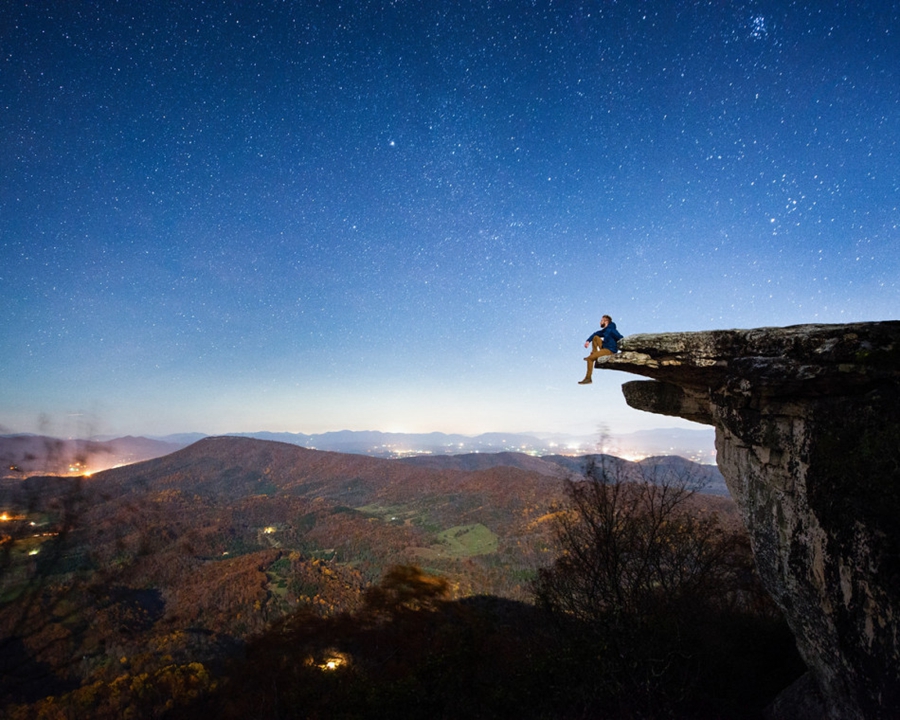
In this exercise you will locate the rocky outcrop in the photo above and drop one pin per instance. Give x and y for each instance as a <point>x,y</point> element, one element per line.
<point>807,425</point>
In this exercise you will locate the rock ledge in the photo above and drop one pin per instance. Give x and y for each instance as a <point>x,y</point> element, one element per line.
<point>807,425</point>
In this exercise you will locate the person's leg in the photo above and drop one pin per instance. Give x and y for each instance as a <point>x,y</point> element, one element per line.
<point>597,349</point>
<point>590,370</point>
<point>598,352</point>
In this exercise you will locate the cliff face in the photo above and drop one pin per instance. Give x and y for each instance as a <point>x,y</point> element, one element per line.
<point>807,425</point>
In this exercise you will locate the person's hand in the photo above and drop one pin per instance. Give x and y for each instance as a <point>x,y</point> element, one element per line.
<point>586,344</point>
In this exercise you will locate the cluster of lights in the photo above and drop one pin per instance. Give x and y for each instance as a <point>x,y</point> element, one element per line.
<point>7,516</point>
<point>331,664</point>
<point>331,661</point>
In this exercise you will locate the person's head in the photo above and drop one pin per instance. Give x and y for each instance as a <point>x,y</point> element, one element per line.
<point>605,320</point>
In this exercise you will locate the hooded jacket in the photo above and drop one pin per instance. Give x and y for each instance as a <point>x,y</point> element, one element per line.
<point>609,337</point>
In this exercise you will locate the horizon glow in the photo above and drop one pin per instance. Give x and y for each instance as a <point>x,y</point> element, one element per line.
<point>304,217</point>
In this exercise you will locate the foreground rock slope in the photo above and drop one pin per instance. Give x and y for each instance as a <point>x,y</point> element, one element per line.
<point>807,425</point>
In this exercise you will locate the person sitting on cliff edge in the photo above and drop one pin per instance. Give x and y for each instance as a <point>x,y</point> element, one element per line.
<point>603,342</point>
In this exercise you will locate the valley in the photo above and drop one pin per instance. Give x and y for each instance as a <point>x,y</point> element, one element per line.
<point>184,558</point>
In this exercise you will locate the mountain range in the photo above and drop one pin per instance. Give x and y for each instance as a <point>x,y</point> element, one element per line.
<point>180,559</point>
<point>23,454</point>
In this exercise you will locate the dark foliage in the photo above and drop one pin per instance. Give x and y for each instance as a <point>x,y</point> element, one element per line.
<point>411,653</point>
<point>408,653</point>
<point>668,597</point>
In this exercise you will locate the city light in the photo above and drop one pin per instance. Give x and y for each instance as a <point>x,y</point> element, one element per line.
<point>332,661</point>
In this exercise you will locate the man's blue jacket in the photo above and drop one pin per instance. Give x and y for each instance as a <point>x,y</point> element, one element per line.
<point>609,336</point>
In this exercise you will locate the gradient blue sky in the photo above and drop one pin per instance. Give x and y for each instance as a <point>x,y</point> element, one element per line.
<point>408,216</point>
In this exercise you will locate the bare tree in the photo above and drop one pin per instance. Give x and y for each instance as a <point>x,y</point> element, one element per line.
<point>642,568</point>
<point>631,542</point>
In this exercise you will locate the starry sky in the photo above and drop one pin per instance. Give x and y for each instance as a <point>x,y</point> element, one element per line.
<point>306,216</point>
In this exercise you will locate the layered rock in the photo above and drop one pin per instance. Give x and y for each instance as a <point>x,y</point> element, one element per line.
<point>807,425</point>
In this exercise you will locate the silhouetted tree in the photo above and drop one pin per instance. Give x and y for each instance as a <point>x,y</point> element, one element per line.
<point>659,587</point>
<point>633,545</point>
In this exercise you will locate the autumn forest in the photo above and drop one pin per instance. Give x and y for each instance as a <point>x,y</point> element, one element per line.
<point>249,578</point>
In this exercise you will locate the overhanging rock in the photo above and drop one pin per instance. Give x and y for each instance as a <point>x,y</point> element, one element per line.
<point>807,425</point>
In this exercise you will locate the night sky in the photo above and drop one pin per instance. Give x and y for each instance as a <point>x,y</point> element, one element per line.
<point>408,216</point>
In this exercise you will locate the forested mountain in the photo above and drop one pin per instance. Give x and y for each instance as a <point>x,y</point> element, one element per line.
<point>177,556</point>
<point>705,478</point>
<point>180,559</point>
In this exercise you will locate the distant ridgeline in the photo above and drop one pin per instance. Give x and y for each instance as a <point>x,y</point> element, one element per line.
<point>22,455</point>
<point>697,445</point>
